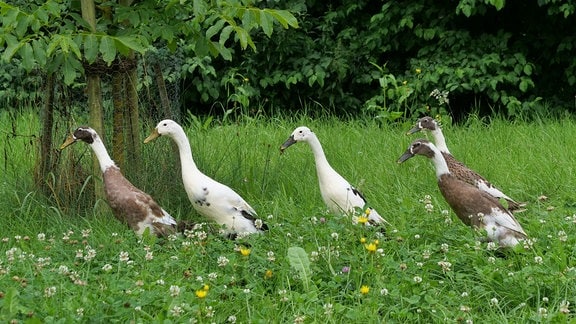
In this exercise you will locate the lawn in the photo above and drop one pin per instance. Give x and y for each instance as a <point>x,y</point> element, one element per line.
<point>79,264</point>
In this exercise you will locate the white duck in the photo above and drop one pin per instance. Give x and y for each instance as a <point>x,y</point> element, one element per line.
<point>337,193</point>
<point>473,206</point>
<point>209,198</point>
<point>459,169</point>
<point>129,204</point>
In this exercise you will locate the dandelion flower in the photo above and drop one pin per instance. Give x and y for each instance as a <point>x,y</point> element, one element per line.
<point>268,274</point>
<point>362,240</point>
<point>364,290</point>
<point>362,220</point>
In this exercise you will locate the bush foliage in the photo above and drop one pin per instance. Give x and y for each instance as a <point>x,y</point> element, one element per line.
<point>352,57</point>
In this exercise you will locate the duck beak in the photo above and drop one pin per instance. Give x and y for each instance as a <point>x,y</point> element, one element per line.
<point>405,156</point>
<point>286,144</point>
<point>154,135</point>
<point>69,141</point>
<point>415,129</point>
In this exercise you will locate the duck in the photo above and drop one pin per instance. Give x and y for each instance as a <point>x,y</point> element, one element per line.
<point>337,193</point>
<point>459,169</point>
<point>474,207</point>
<point>129,204</point>
<point>210,198</point>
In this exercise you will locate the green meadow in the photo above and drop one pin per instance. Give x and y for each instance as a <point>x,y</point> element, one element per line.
<point>68,264</point>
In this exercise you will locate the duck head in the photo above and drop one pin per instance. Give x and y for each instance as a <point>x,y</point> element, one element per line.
<point>84,133</point>
<point>166,127</point>
<point>424,123</point>
<point>300,134</point>
<point>418,147</point>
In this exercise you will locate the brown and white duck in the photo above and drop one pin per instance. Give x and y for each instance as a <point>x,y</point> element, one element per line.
<point>129,204</point>
<point>459,169</point>
<point>336,192</point>
<point>473,206</point>
<point>210,198</point>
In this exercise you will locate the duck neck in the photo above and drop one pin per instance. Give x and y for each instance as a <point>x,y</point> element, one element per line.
<point>187,163</point>
<point>440,163</point>
<point>321,162</point>
<point>102,155</point>
<point>439,140</point>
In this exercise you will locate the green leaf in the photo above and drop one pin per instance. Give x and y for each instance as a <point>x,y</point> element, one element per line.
<point>107,49</point>
<point>214,29</point>
<point>133,43</point>
<point>69,71</point>
<point>39,52</point>
<point>498,4</point>
<point>284,17</point>
<point>225,34</point>
<point>27,55</point>
<point>90,48</point>
<point>13,47</point>
<point>528,69</point>
<point>298,260</point>
<point>266,23</point>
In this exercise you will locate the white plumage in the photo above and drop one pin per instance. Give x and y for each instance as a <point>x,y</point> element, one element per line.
<point>337,193</point>
<point>129,204</point>
<point>209,198</point>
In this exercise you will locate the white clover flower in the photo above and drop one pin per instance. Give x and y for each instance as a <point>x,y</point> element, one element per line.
<point>80,312</point>
<point>271,256</point>
<point>107,267</point>
<point>491,259</point>
<point>176,311</point>
<point>41,236</point>
<point>444,247</point>
<point>212,275</point>
<point>494,301</point>
<point>334,236</point>
<point>49,292</point>
<point>562,236</point>
<point>327,309</point>
<point>464,308</point>
<point>383,292</point>
<point>258,223</point>
<point>464,294</point>
<point>149,256</point>
<point>231,319</point>
<point>445,265</point>
<point>63,270</point>
<point>124,256</point>
<point>491,246</point>
<point>174,290</point>
<point>538,259</point>
<point>565,307</point>
<point>417,279</point>
<point>160,282</point>
<point>86,232</point>
<point>417,236</point>
<point>222,261</point>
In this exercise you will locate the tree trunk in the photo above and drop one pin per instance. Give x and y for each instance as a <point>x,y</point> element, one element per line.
<point>47,120</point>
<point>162,90</point>
<point>94,93</point>
<point>119,108</point>
<point>134,145</point>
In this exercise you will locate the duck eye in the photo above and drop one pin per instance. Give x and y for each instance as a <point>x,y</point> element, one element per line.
<point>165,124</point>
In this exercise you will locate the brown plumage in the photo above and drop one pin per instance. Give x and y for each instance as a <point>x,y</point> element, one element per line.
<point>129,204</point>
<point>473,206</point>
<point>459,169</point>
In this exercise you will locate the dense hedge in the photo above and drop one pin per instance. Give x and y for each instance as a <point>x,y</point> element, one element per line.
<point>350,56</point>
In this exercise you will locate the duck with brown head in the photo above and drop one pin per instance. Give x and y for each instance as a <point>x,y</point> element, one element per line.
<point>129,204</point>
<point>473,206</point>
<point>459,169</point>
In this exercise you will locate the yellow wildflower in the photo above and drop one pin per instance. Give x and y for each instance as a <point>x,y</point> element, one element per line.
<point>201,293</point>
<point>245,251</point>
<point>268,274</point>
<point>418,71</point>
<point>362,240</point>
<point>364,289</point>
<point>370,247</point>
<point>362,220</point>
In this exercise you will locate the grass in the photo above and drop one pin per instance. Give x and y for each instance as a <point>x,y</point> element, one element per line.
<point>81,265</point>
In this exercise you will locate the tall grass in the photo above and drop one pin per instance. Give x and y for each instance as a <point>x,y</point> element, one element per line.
<point>85,266</point>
